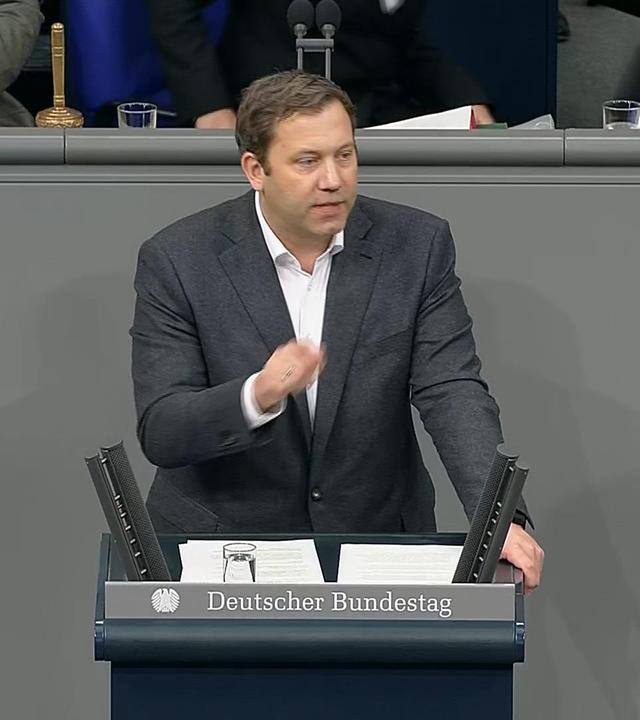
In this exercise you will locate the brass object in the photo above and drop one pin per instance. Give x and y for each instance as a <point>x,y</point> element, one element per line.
<point>58,116</point>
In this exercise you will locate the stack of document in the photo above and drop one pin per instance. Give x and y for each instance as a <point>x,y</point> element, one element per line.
<point>277,561</point>
<point>296,562</point>
<point>398,564</point>
<point>457,119</point>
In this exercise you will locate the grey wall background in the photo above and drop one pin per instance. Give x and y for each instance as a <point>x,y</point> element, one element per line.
<point>549,260</point>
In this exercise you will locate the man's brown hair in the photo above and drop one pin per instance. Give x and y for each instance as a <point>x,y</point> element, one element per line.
<point>273,98</point>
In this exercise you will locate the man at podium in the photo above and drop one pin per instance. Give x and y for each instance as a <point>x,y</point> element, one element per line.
<point>280,339</point>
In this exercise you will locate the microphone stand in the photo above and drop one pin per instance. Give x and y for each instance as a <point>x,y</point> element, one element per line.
<point>300,31</point>
<point>316,45</point>
<point>328,32</point>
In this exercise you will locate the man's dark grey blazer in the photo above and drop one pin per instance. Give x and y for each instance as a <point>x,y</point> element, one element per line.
<point>209,313</point>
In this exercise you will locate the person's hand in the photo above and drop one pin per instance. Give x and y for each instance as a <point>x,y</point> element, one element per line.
<point>521,550</point>
<point>290,369</point>
<point>483,115</point>
<point>224,119</point>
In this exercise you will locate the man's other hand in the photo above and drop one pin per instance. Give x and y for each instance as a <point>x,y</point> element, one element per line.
<point>483,115</point>
<point>521,550</point>
<point>224,119</point>
<point>290,369</point>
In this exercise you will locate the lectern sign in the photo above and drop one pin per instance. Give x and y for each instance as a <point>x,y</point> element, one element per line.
<point>330,601</point>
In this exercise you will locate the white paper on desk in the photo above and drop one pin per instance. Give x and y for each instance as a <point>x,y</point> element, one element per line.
<point>398,564</point>
<point>277,561</point>
<point>544,122</point>
<point>457,119</point>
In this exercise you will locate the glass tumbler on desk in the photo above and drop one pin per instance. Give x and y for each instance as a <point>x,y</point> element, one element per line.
<point>239,563</point>
<point>137,114</point>
<point>621,114</point>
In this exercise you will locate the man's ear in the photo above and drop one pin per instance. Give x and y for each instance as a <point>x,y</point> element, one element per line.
<point>253,170</point>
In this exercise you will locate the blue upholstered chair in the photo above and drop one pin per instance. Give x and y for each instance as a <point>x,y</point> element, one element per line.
<point>111,58</point>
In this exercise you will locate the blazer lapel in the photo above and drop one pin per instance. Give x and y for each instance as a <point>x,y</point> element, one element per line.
<point>353,272</point>
<point>251,271</point>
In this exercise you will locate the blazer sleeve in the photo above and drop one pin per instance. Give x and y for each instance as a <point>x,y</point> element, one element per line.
<point>188,57</point>
<point>182,418</point>
<point>428,73</point>
<point>446,386</point>
<point>19,27</point>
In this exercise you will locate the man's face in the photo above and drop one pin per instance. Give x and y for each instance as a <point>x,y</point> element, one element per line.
<point>312,177</point>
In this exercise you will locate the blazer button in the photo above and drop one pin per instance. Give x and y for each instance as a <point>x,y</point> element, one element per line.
<point>316,494</point>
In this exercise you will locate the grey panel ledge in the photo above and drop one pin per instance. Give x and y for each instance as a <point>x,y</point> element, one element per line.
<point>164,146</point>
<point>595,147</point>
<point>461,147</point>
<point>97,146</point>
<point>31,146</point>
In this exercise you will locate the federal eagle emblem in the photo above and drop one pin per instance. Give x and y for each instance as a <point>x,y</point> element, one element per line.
<point>165,600</point>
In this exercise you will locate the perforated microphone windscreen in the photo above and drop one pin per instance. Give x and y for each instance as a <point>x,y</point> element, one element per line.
<point>486,565</point>
<point>328,15</point>
<point>300,13</point>
<point>118,463</point>
<point>499,467</point>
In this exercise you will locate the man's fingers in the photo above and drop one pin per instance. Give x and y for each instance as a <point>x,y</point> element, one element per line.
<point>291,368</point>
<point>524,559</point>
<point>308,354</point>
<point>323,357</point>
<point>521,550</point>
<point>297,364</point>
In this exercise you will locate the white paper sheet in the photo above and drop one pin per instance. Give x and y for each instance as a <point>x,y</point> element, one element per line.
<point>457,119</point>
<point>277,561</point>
<point>398,564</point>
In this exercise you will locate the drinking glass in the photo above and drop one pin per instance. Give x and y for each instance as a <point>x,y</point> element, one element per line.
<point>239,563</point>
<point>619,114</point>
<point>137,114</point>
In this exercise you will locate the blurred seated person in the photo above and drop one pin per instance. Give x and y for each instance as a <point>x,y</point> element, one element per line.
<point>381,59</point>
<point>629,6</point>
<point>19,28</point>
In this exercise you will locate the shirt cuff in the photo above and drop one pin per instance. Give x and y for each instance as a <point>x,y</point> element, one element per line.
<point>253,415</point>
<point>520,517</point>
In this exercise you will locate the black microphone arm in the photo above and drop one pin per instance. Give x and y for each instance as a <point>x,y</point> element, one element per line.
<point>328,18</point>
<point>492,519</point>
<point>131,528</point>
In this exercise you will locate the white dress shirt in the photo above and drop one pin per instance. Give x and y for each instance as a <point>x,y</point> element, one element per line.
<point>305,295</point>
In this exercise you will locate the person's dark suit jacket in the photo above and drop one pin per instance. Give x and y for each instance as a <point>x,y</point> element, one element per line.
<point>381,59</point>
<point>209,313</point>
